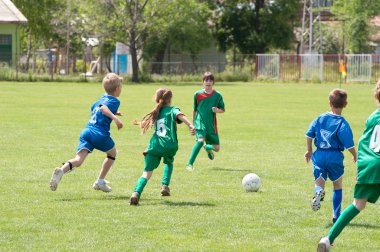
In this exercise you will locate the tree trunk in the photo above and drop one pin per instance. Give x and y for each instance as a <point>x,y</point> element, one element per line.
<point>135,64</point>
<point>28,53</point>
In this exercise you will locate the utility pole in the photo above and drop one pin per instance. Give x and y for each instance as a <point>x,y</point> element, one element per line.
<point>311,36</point>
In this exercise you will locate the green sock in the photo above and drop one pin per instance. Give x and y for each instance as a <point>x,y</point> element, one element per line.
<point>209,147</point>
<point>347,215</point>
<point>197,147</point>
<point>140,185</point>
<point>168,169</point>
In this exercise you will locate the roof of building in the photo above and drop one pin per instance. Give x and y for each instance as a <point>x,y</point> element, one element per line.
<point>10,14</point>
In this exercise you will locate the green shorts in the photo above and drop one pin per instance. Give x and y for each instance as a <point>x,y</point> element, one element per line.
<point>152,162</point>
<point>210,138</point>
<point>367,191</point>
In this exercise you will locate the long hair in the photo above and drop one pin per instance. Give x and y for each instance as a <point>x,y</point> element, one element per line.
<point>376,93</point>
<point>163,98</point>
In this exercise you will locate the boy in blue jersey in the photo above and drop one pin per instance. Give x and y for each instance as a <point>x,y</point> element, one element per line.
<point>332,134</point>
<point>96,135</point>
<point>367,188</point>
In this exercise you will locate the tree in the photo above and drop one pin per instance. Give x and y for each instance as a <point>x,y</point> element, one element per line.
<point>188,34</point>
<point>355,15</point>
<point>255,26</point>
<point>39,14</point>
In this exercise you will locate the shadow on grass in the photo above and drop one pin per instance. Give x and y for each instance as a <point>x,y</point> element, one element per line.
<point>187,204</point>
<point>230,170</point>
<point>358,225</point>
<point>103,197</point>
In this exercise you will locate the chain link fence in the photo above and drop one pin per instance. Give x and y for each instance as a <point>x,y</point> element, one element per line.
<point>43,65</point>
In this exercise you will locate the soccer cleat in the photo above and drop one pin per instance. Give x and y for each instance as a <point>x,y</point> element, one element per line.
<point>316,203</point>
<point>324,245</point>
<point>165,190</point>
<point>189,168</point>
<point>210,154</point>
<point>102,187</point>
<point>55,178</point>
<point>134,201</point>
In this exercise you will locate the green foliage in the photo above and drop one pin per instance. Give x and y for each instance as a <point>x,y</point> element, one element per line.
<point>355,17</point>
<point>255,27</point>
<point>262,131</point>
<point>188,34</point>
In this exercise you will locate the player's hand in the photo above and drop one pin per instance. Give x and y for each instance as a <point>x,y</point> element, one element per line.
<point>119,113</point>
<point>308,156</point>
<point>192,129</point>
<point>354,158</point>
<point>215,109</point>
<point>119,123</point>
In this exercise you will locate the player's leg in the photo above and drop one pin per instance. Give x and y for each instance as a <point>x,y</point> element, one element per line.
<point>212,144</point>
<point>101,183</point>
<point>168,170</point>
<point>200,139</point>
<point>363,193</point>
<point>319,193</point>
<point>67,167</point>
<point>337,198</point>
<point>151,163</point>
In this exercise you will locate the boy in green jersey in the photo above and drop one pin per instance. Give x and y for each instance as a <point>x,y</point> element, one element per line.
<point>163,143</point>
<point>207,103</point>
<point>367,188</point>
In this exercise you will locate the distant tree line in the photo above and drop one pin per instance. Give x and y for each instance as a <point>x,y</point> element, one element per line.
<point>151,27</point>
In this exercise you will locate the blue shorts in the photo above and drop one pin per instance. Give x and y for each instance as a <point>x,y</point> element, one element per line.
<point>92,139</point>
<point>328,164</point>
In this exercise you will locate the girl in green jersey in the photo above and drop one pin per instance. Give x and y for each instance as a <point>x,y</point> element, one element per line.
<point>367,188</point>
<point>163,143</point>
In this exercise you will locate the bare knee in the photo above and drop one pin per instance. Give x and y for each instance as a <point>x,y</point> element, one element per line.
<point>338,184</point>
<point>360,203</point>
<point>216,147</point>
<point>147,175</point>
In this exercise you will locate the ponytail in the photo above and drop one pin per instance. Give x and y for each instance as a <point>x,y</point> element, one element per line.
<point>163,98</point>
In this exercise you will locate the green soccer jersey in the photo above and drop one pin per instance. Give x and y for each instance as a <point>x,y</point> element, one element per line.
<point>205,119</point>
<point>164,140</point>
<point>369,151</point>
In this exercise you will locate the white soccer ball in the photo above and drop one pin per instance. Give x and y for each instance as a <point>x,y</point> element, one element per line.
<point>251,182</point>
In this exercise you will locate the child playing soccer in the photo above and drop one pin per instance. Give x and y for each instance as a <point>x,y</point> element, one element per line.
<point>367,188</point>
<point>207,103</point>
<point>96,135</point>
<point>163,143</point>
<point>332,134</point>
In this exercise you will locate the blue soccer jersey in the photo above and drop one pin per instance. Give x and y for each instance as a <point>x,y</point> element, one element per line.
<point>98,120</point>
<point>331,132</point>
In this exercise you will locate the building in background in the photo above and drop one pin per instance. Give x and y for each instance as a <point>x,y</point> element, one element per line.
<point>10,20</point>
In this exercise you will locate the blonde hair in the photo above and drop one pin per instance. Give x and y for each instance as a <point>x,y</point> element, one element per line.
<point>376,93</point>
<point>111,82</point>
<point>338,98</point>
<point>163,98</point>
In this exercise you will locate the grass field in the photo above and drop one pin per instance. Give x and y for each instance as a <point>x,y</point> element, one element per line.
<point>262,131</point>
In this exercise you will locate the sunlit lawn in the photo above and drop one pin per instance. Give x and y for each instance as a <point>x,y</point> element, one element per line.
<point>262,131</point>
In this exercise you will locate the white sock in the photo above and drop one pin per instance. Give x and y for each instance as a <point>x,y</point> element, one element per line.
<point>100,181</point>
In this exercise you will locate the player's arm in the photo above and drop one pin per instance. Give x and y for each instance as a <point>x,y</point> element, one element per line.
<point>354,155</point>
<point>184,119</point>
<point>217,110</point>
<point>309,149</point>
<point>107,112</point>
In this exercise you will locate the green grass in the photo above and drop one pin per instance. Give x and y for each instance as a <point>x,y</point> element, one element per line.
<point>262,131</point>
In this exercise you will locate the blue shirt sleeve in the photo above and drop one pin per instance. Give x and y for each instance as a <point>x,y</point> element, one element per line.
<point>311,131</point>
<point>113,104</point>
<point>346,136</point>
